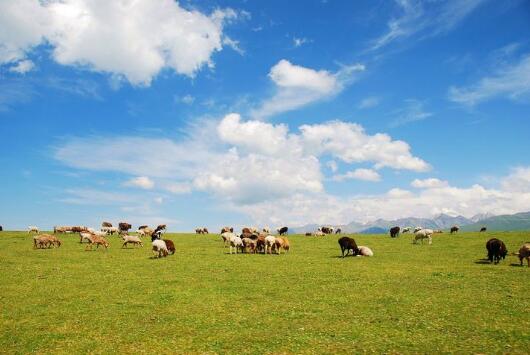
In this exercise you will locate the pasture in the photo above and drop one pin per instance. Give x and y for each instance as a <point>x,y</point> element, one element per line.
<point>407,298</point>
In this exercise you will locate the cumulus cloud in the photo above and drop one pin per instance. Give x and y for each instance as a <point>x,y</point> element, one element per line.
<point>241,161</point>
<point>428,183</point>
<point>146,35</point>
<point>142,182</point>
<point>297,86</point>
<point>359,174</point>
<point>511,81</point>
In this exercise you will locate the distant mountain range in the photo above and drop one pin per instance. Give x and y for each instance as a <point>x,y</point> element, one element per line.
<point>518,221</point>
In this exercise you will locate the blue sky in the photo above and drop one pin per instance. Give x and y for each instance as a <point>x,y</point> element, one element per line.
<point>262,113</point>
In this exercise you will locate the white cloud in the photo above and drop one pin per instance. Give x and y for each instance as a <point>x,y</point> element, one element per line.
<point>517,181</point>
<point>146,35</point>
<point>412,111</point>
<point>511,81</point>
<point>429,183</point>
<point>22,66</point>
<point>359,174</point>
<point>236,160</point>
<point>350,143</point>
<point>142,182</point>
<point>186,99</point>
<point>298,86</point>
<point>369,102</point>
<point>415,19</point>
<point>298,42</point>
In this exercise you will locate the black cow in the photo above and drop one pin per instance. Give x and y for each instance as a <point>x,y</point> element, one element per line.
<point>483,229</point>
<point>326,230</point>
<point>496,250</point>
<point>283,230</point>
<point>394,232</point>
<point>347,243</point>
<point>454,229</point>
<point>338,231</point>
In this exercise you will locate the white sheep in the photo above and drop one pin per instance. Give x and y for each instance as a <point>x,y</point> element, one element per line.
<point>159,248</point>
<point>423,234</point>
<point>85,236</point>
<point>365,251</point>
<point>33,229</point>
<point>236,242</point>
<point>226,236</point>
<point>270,241</point>
<point>132,239</point>
<point>110,230</point>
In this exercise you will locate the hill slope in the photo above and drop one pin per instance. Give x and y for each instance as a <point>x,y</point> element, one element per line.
<point>514,222</point>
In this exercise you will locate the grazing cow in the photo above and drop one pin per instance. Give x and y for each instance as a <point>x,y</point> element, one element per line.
<point>338,231</point>
<point>227,229</point>
<point>95,240</point>
<point>496,250</point>
<point>524,253</point>
<point>423,234</point>
<point>124,227</point>
<point>106,224</point>
<point>483,229</point>
<point>282,230</point>
<point>347,244</point>
<point>405,230</point>
<point>365,251</point>
<point>454,229</point>
<point>394,232</point>
<point>170,246</point>
<point>159,248</point>
<point>131,239</point>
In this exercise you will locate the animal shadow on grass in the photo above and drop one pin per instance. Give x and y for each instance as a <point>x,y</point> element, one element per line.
<point>483,261</point>
<point>516,265</point>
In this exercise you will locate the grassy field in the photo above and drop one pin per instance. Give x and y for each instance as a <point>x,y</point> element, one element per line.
<point>407,298</point>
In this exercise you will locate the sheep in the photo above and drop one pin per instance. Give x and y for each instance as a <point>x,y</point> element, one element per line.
<point>95,240</point>
<point>144,231</point>
<point>394,232</point>
<point>249,245</point>
<point>131,239</point>
<point>201,230</point>
<point>85,236</point>
<point>45,240</point>
<point>496,250</point>
<point>226,236</point>
<point>270,242</point>
<point>33,229</point>
<point>170,246</point>
<point>524,253</point>
<point>106,224</point>
<point>405,230</point>
<point>227,229</point>
<point>417,229</point>
<point>260,244</point>
<point>338,231</point>
<point>483,229</point>
<point>159,248</point>
<point>283,243</point>
<point>319,234</point>
<point>423,234</point>
<point>347,243</point>
<point>236,242</point>
<point>266,230</point>
<point>365,251</point>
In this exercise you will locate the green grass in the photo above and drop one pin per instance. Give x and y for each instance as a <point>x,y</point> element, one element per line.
<point>407,298</point>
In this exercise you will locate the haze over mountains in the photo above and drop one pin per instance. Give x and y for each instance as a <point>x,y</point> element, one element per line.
<point>518,221</point>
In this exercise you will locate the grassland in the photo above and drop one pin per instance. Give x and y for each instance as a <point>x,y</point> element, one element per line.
<point>407,298</point>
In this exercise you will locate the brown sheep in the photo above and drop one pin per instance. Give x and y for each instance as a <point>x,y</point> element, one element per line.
<point>95,240</point>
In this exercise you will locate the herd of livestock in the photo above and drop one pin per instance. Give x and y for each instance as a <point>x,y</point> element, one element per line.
<point>250,240</point>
